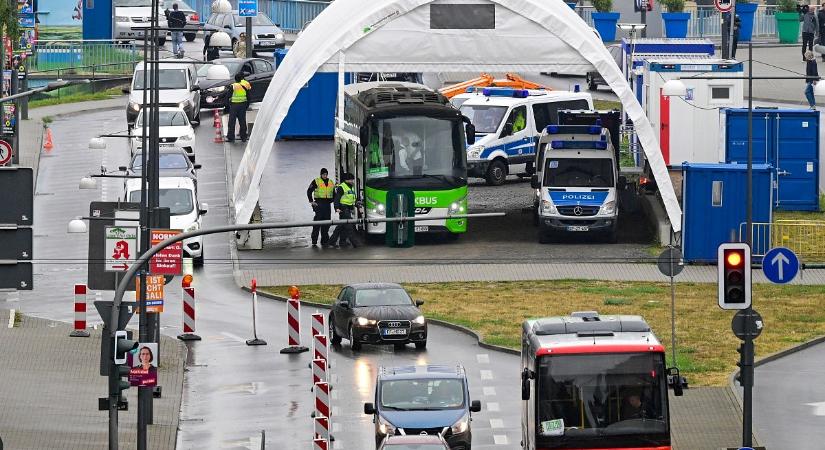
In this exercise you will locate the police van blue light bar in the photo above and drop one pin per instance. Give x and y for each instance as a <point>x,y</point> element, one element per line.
<point>505,92</point>
<point>578,145</point>
<point>574,129</point>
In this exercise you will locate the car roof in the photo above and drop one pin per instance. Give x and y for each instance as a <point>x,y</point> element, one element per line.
<point>167,150</point>
<point>551,96</point>
<point>133,184</point>
<point>421,371</point>
<point>366,286</point>
<point>178,64</point>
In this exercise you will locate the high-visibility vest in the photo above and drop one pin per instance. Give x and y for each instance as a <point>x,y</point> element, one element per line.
<point>348,199</point>
<point>239,91</point>
<point>323,190</point>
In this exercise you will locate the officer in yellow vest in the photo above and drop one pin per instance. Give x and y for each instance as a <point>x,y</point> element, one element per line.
<point>319,195</point>
<point>238,104</point>
<point>345,202</point>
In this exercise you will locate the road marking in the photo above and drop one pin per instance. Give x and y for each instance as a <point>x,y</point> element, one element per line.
<point>483,358</point>
<point>11,318</point>
<point>233,337</point>
<point>819,408</point>
<point>486,374</point>
<point>489,391</point>
<point>496,423</point>
<point>493,407</point>
<point>334,394</point>
<point>500,439</point>
<point>336,427</point>
<point>334,411</point>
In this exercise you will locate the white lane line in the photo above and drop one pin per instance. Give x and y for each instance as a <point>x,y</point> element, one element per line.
<point>489,391</point>
<point>233,337</point>
<point>336,427</point>
<point>11,318</point>
<point>500,439</point>
<point>492,407</point>
<point>334,411</point>
<point>496,423</point>
<point>486,374</point>
<point>334,394</point>
<point>483,358</point>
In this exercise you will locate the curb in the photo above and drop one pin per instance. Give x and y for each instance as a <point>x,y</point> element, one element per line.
<point>442,323</point>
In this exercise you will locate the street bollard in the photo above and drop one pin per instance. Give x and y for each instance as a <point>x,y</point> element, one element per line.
<point>79,312</point>
<point>293,318</point>
<point>319,371</point>
<point>322,428</point>
<point>255,340</point>
<point>322,407</point>
<point>320,347</point>
<point>319,444</point>
<point>188,310</point>
<point>317,323</point>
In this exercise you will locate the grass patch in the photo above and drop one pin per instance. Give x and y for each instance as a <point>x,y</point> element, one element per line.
<point>75,98</point>
<point>706,346</point>
<point>606,104</point>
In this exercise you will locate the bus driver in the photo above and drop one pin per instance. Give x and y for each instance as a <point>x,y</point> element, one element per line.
<point>411,155</point>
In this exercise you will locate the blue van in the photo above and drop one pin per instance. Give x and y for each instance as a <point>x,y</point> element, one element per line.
<point>417,400</point>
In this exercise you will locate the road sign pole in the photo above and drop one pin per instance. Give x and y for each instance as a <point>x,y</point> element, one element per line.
<point>250,50</point>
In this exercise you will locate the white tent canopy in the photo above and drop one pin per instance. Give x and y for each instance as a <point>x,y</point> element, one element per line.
<point>439,36</point>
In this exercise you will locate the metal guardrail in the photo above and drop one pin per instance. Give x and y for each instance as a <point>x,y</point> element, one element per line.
<point>805,237</point>
<point>706,21</point>
<point>97,55</point>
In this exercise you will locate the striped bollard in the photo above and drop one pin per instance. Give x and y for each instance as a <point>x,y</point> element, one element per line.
<point>320,444</point>
<point>318,324</point>
<point>293,318</point>
<point>188,310</point>
<point>319,371</point>
<point>320,347</point>
<point>322,428</point>
<point>79,312</point>
<point>322,407</point>
<point>255,340</point>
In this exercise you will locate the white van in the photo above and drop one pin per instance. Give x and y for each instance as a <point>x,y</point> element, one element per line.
<point>185,211</point>
<point>133,17</point>
<point>178,88</point>
<point>508,123</point>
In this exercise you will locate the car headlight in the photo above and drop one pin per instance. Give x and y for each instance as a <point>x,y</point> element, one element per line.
<point>279,36</point>
<point>474,152</point>
<point>419,320</point>
<point>547,207</point>
<point>216,90</point>
<point>385,428</point>
<point>608,208</point>
<point>363,321</point>
<point>194,227</point>
<point>122,19</point>
<point>461,426</point>
<point>186,137</point>
<point>134,106</point>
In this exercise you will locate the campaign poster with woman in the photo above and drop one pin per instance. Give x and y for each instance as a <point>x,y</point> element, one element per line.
<point>144,371</point>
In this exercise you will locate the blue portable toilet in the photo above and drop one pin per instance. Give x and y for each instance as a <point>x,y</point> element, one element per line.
<point>714,205</point>
<point>312,114</point>
<point>788,140</point>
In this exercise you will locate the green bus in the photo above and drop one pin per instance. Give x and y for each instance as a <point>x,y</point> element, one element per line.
<point>404,136</point>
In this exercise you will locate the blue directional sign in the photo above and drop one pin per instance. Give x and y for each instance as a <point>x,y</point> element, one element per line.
<point>780,265</point>
<point>248,8</point>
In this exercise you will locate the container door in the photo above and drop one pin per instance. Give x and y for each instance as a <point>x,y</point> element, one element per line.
<point>736,136</point>
<point>797,161</point>
<point>664,126</point>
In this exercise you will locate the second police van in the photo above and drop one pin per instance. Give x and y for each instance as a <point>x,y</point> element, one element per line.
<point>508,123</point>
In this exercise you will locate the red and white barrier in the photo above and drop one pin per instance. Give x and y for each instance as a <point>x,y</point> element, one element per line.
<point>188,311</point>
<point>322,428</point>
<point>320,444</point>
<point>79,312</point>
<point>322,406</point>
<point>319,371</point>
<point>318,324</point>
<point>320,347</point>
<point>293,319</point>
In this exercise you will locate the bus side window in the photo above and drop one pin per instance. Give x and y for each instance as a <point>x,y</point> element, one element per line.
<point>351,157</point>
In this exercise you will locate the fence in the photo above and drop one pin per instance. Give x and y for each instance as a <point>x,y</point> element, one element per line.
<point>102,57</point>
<point>706,21</point>
<point>805,238</point>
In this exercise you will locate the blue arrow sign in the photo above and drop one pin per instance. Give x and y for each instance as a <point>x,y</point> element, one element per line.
<point>247,8</point>
<point>780,265</point>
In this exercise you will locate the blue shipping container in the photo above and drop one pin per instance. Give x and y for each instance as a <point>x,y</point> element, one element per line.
<point>312,114</point>
<point>788,140</point>
<point>713,203</point>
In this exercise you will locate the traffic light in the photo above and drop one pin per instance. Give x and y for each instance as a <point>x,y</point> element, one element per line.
<point>123,345</point>
<point>734,266</point>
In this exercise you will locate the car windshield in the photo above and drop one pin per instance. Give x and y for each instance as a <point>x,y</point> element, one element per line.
<point>485,118</point>
<point>168,161</point>
<point>422,394</point>
<point>167,119</point>
<point>382,297</point>
<point>416,152</point>
<point>620,397</point>
<point>179,201</point>
<point>579,172</point>
<point>169,79</point>
<point>232,66</point>
<point>260,20</point>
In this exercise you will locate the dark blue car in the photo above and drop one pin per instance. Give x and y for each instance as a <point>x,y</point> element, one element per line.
<point>416,400</point>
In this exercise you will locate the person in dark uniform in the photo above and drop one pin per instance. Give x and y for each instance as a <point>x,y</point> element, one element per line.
<point>319,194</point>
<point>344,201</point>
<point>210,52</point>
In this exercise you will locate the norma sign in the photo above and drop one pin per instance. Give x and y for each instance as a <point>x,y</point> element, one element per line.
<point>247,8</point>
<point>5,153</point>
<point>723,5</point>
<point>168,261</point>
<point>121,248</point>
<point>154,293</point>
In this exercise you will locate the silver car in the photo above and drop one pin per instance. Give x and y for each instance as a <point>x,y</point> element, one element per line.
<point>132,18</point>
<point>266,36</point>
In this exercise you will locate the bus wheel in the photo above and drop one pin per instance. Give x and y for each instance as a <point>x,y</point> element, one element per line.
<point>496,173</point>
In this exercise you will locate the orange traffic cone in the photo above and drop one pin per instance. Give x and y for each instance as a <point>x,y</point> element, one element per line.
<point>218,130</point>
<point>48,145</point>
<point>216,122</point>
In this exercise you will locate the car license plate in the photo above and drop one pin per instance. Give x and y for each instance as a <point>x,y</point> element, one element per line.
<point>578,228</point>
<point>166,145</point>
<point>422,229</point>
<point>266,42</point>
<point>395,332</point>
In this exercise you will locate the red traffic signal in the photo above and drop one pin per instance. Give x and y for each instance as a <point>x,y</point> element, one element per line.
<point>734,265</point>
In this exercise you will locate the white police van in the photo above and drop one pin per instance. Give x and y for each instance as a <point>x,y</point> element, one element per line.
<point>508,122</point>
<point>576,182</point>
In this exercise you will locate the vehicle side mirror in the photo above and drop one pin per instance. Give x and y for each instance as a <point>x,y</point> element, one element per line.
<point>126,90</point>
<point>122,168</point>
<point>364,136</point>
<point>534,182</point>
<point>526,374</point>
<point>470,131</point>
<point>369,409</point>
<point>344,304</point>
<point>475,406</point>
<point>197,166</point>
<point>419,302</point>
<point>676,381</point>
<point>195,88</point>
<point>508,129</point>
<point>203,209</point>
<point>621,184</point>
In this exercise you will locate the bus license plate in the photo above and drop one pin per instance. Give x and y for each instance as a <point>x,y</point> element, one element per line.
<point>395,332</point>
<point>578,228</point>
<point>422,229</point>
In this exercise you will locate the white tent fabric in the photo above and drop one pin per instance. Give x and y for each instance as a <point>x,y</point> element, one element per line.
<point>397,36</point>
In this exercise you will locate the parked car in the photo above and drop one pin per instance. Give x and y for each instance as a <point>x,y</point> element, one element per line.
<point>174,129</point>
<point>193,20</point>
<point>178,88</point>
<point>174,162</point>
<point>216,93</point>
<point>594,78</point>
<point>377,313</point>
<point>420,442</point>
<point>266,36</point>
<point>132,17</point>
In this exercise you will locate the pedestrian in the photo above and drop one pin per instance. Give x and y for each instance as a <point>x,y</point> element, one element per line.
<point>810,26</point>
<point>344,200</point>
<point>813,77</point>
<point>320,193</point>
<point>820,18</point>
<point>238,104</point>
<point>737,22</point>
<point>176,21</point>
<point>239,49</point>
<point>210,52</point>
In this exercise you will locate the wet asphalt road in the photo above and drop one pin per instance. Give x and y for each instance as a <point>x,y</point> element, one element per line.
<point>233,391</point>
